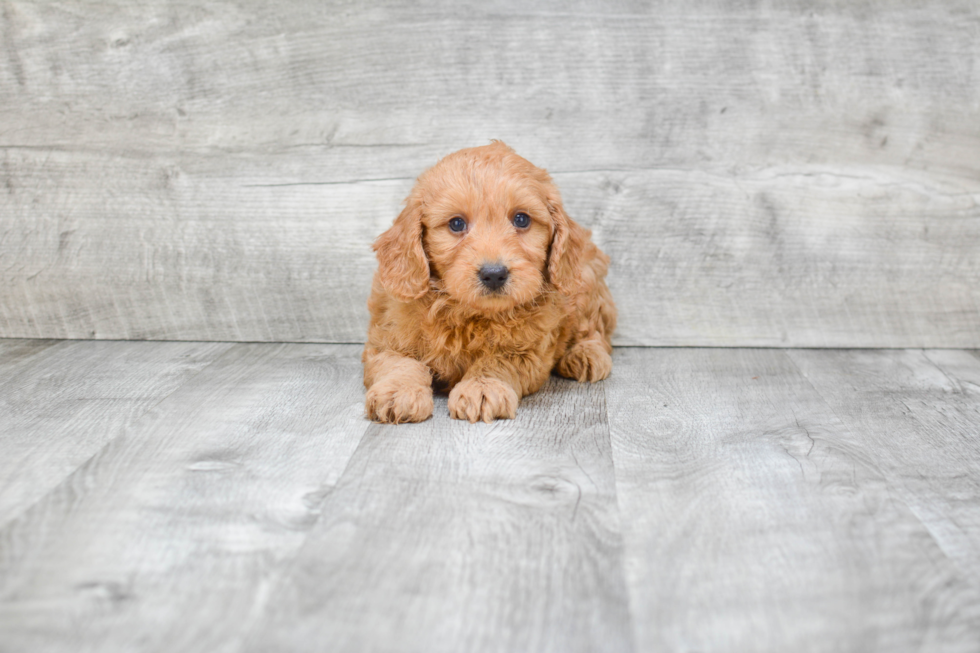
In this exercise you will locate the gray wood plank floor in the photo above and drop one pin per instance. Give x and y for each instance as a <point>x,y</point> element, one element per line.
<point>231,497</point>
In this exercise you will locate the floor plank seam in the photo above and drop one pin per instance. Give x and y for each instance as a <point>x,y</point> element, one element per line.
<point>630,598</point>
<point>110,443</point>
<point>285,568</point>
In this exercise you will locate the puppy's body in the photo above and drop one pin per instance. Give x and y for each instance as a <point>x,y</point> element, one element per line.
<point>489,310</point>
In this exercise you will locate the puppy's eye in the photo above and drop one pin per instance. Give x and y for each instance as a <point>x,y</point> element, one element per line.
<point>457,224</point>
<point>521,220</point>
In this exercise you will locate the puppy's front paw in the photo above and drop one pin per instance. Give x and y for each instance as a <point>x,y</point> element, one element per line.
<point>391,403</point>
<point>483,398</point>
<point>586,361</point>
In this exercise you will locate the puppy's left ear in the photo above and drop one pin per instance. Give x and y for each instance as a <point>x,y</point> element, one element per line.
<point>403,268</point>
<point>568,244</point>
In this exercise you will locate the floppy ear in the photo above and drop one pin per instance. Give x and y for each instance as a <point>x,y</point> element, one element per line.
<point>567,248</point>
<point>403,268</point>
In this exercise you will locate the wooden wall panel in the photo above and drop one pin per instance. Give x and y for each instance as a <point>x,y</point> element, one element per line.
<point>762,175</point>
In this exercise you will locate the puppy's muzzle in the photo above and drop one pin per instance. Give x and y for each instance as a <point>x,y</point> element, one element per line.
<point>493,276</point>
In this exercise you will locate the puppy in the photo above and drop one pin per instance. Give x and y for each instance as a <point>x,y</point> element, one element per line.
<point>484,286</point>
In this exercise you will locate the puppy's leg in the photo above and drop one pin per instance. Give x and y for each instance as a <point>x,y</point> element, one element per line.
<point>588,357</point>
<point>483,397</point>
<point>586,360</point>
<point>493,388</point>
<point>399,388</point>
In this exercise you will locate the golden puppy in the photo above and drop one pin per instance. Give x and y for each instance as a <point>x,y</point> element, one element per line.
<point>484,286</point>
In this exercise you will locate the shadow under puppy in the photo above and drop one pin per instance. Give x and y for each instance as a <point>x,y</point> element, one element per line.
<point>484,286</point>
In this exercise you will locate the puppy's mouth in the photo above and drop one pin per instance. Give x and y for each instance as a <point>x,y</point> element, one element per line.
<point>500,293</point>
<point>492,301</point>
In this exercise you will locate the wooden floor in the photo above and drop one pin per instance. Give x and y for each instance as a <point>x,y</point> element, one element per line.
<point>165,496</point>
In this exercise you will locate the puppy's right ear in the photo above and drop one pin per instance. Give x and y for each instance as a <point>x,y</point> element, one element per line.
<point>403,268</point>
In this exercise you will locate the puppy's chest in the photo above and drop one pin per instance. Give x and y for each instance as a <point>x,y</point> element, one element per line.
<point>451,349</point>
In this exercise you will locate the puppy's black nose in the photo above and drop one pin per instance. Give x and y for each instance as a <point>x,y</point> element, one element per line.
<point>493,276</point>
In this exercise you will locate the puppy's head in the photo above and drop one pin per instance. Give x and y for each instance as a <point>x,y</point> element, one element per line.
<point>487,227</point>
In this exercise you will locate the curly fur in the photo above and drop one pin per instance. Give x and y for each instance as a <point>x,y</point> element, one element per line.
<point>434,324</point>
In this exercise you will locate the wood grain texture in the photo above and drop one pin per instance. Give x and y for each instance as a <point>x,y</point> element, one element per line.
<point>169,537</point>
<point>699,499</point>
<point>447,536</point>
<point>815,257</point>
<point>15,353</point>
<point>759,516</point>
<point>61,403</point>
<point>920,412</point>
<point>778,175</point>
<point>202,255</point>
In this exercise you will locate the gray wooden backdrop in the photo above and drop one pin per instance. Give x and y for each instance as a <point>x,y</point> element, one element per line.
<point>780,173</point>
